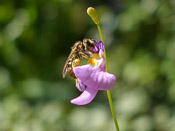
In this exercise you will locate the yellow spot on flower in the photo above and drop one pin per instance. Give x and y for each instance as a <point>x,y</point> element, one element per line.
<point>91,61</point>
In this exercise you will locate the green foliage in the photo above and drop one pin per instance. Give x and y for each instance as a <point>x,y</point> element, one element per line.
<point>35,40</point>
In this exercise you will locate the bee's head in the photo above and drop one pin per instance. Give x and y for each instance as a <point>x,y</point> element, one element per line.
<point>89,45</point>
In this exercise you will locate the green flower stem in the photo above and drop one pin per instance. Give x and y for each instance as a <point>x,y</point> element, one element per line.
<point>112,110</point>
<point>108,91</point>
<point>93,14</point>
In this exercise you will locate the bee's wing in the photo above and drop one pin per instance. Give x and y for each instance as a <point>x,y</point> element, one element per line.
<point>66,63</point>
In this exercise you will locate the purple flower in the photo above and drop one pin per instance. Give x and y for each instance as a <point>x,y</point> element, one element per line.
<point>99,45</point>
<point>92,77</point>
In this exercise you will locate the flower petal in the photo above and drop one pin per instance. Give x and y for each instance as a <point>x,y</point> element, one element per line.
<point>100,45</point>
<point>83,72</point>
<point>86,97</point>
<point>80,85</point>
<point>96,49</point>
<point>102,80</point>
<point>101,62</point>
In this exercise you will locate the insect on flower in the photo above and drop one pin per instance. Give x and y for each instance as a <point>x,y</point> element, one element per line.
<point>92,77</point>
<point>79,50</point>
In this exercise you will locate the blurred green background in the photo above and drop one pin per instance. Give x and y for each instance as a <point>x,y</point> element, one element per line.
<point>35,40</point>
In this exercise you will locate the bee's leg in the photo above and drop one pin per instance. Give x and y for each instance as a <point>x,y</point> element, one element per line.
<point>76,62</point>
<point>70,70</point>
<point>84,55</point>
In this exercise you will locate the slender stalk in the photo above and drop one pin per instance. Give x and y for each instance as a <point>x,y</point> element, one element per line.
<point>93,14</point>
<point>112,110</point>
<point>108,91</point>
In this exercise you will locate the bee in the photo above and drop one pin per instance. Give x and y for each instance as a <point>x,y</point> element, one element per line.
<point>79,50</point>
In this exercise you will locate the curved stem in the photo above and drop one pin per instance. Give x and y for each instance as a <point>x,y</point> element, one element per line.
<point>108,91</point>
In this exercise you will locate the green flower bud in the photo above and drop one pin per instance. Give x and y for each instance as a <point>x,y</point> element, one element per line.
<point>93,14</point>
